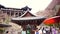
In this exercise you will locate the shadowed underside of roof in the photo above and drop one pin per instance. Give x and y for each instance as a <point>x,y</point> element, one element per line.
<point>5,25</point>
<point>31,21</point>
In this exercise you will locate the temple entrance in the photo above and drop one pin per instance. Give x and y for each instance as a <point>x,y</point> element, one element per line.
<point>29,29</point>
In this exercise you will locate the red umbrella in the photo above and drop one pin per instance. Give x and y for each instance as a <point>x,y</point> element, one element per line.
<point>52,20</point>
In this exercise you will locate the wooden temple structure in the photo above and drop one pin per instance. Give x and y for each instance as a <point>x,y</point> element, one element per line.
<point>28,21</point>
<point>4,25</point>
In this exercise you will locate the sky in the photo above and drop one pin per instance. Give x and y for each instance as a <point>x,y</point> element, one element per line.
<point>36,5</point>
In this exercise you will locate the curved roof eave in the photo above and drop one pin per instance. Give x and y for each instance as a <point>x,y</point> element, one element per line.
<point>28,18</point>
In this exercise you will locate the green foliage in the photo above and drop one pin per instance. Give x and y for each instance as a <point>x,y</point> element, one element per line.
<point>2,29</point>
<point>49,24</point>
<point>7,20</point>
<point>55,24</point>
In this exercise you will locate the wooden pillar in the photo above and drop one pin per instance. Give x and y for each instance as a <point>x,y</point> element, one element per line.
<point>35,22</point>
<point>10,13</point>
<point>32,27</point>
<point>14,13</point>
<point>24,22</point>
<point>18,13</point>
<point>1,11</point>
<point>6,12</point>
<point>21,13</point>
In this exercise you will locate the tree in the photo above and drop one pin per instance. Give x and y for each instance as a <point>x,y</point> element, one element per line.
<point>7,20</point>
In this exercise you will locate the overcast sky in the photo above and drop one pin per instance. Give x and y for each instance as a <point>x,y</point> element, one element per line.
<point>36,5</point>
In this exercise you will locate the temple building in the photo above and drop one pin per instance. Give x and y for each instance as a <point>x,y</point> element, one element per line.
<point>12,12</point>
<point>28,21</point>
<point>5,15</point>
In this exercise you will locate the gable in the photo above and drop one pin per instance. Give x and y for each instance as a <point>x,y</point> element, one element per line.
<point>28,14</point>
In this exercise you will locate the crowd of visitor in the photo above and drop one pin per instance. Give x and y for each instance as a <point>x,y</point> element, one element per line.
<point>43,30</point>
<point>48,30</point>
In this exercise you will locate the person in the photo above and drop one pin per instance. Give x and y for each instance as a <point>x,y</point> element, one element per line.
<point>40,31</point>
<point>47,30</point>
<point>50,30</point>
<point>56,31</point>
<point>36,31</point>
<point>59,31</point>
<point>53,30</point>
<point>23,32</point>
<point>43,31</point>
